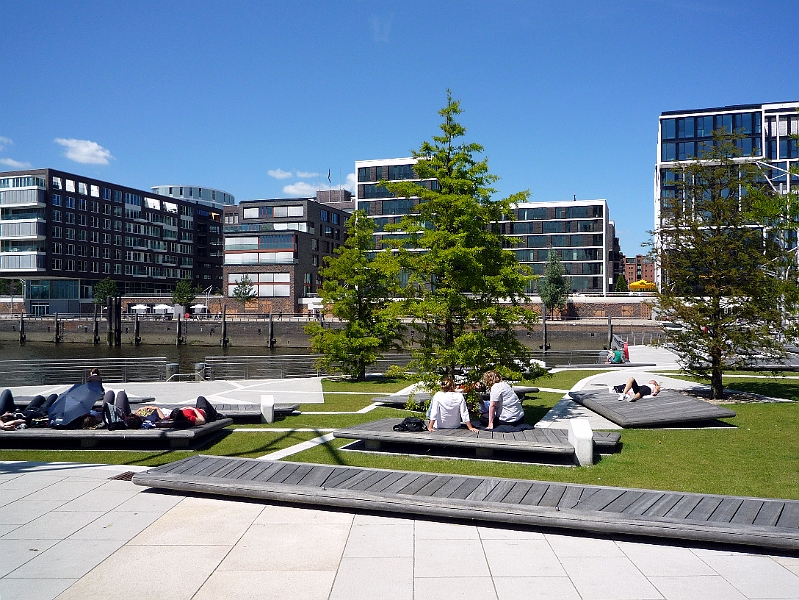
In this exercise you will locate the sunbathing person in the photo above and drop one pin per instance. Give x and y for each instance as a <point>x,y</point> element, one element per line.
<point>639,391</point>
<point>190,416</point>
<point>448,409</point>
<point>36,409</point>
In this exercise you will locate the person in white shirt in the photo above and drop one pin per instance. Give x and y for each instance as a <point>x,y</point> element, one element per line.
<point>504,406</point>
<point>448,409</point>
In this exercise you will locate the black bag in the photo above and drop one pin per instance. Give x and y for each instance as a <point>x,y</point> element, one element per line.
<point>410,424</point>
<point>113,418</point>
<point>619,388</point>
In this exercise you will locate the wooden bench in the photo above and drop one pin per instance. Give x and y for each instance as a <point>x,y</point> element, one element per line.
<point>46,438</point>
<point>484,443</point>
<point>667,408</point>
<point>700,518</point>
<point>402,399</point>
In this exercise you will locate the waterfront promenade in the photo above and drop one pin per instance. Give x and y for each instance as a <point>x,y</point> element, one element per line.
<point>75,531</point>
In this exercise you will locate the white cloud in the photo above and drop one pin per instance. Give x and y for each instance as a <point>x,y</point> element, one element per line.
<point>4,141</point>
<point>280,173</point>
<point>15,164</point>
<point>309,189</point>
<point>85,151</point>
<point>306,174</point>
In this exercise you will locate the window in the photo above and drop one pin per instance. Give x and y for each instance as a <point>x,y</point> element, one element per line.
<point>69,202</point>
<point>94,206</point>
<point>56,183</point>
<point>69,185</point>
<point>669,128</point>
<point>95,191</point>
<point>56,247</point>
<point>56,200</point>
<point>56,231</point>
<point>82,189</point>
<point>251,213</point>
<point>69,218</point>
<point>57,215</point>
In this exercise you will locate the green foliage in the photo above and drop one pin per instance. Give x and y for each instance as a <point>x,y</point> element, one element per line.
<point>554,286</point>
<point>464,289</point>
<point>358,286</point>
<point>621,284</point>
<point>244,291</point>
<point>718,282</point>
<point>104,289</point>
<point>184,293</point>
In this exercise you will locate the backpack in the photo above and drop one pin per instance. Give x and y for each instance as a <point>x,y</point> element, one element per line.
<point>410,424</point>
<point>113,418</point>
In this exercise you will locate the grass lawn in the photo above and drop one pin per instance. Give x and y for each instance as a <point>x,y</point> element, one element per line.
<point>757,458</point>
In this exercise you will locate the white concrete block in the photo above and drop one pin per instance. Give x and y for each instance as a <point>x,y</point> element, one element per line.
<point>582,438</point>
<point>267,408</point>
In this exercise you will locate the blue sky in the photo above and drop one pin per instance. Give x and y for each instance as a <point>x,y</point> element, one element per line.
<point>261,99</point>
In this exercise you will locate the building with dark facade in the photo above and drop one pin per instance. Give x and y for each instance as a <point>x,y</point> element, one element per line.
<point>579,231</point>
<point>210,196</point>
<point>639,267</point>
<point>341,199</point>
<point>62,232</point>
<point>279,245</point>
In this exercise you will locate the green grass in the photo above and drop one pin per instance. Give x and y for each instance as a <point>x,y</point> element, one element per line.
<point>757,458</point>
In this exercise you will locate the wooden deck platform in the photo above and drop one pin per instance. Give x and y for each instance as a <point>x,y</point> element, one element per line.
<point>667,408</point>
<point>237,412</point>
<point>47,438</point>
<point>762,523</point>
<point>484,442</point>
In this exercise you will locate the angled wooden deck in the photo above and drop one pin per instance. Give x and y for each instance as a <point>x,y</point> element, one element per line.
<point>763,523</point>
<point>47,438</point>
<point>544,441</point>
<point>667,408</point>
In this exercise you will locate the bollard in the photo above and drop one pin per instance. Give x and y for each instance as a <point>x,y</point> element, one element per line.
<point>267,408</point>
<point>582,438</point>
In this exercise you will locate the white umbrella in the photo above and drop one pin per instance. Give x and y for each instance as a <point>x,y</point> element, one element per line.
<point>199,306</point>
<point>139,307</point>
<point>164,307</point>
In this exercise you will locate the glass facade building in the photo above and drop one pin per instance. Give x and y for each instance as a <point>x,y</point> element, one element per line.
<point>768,138</point>
<point>579,231</point>
<point>62,232</point>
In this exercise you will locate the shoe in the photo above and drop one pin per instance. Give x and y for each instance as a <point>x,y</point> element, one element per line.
<point>622,397</point>
<point>611,390</point>
<point>631,399</point>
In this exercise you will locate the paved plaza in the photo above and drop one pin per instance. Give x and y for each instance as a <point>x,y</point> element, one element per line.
<point>75,531</point>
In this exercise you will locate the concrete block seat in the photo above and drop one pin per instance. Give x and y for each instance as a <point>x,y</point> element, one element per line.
<point>484,442</point>
<point>47,438</point>
<point>761,523</point>
<point>667,408</point>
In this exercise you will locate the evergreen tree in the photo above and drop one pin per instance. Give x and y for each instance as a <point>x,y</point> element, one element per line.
<point>554,286</point>
<point>184,293</point>
<point>104,289</point>
<point>465,289</point>
<point>621,284</point>
<point>718,276</point>
<point>357,288</point>
<point>244,291</point>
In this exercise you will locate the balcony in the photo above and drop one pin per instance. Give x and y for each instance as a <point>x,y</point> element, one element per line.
<point>28,198</point>
<point>33,229</point>
<point>22,261</point>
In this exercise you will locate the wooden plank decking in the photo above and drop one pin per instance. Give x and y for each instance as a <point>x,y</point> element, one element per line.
<point>546,441</point>
<point>667,408</point>
<point>46,437</point>
<point>763,523</point>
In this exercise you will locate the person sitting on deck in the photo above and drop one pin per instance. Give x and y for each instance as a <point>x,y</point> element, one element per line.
<point>639,391</point>
<point>615,357</point>
<point>504,406</point>
<point>448,409</point>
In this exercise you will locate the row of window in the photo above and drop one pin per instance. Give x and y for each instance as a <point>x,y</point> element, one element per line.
<point>560,241</point>
<point>84,266</point>
<point>543,213</point>
<point>749,146</point>
<point>276,212</point>
<point>748,123</point>
<point>552,226</point>
<point>389,173</point>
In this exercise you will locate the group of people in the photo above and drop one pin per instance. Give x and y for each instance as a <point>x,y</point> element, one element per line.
<point>115,412</point>
<point>448,407</point>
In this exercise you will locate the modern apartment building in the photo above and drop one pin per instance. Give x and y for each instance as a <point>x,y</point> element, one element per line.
<point>579,231</point>
<point>62,232</point>
<point>279,245</point>
<point>768,132</point>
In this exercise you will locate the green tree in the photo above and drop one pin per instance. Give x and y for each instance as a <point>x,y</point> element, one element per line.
<point>184,293</point>
<point>244,291</point>
<point>621,284</point>
<point>358,286</point>
<point>465,289</point>
<point>717,259</point>
<point>554,286</point>
<point>104,289</point>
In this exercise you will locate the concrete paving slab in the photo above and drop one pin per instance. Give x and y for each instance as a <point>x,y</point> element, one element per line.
<point>571,546</point>
<point>535,588</point>
<point>600,578</point>
<point>366,578</point>
<point>432,530</point>
<point>116,525</point>
<point>45,589</point>
<point>68,559</point>
<point>696,588</point>
<point>456,558</point>
<point>53,526</point>
<point>267,585</point>
<point>756,576</point>
<point>522,558</point>
<point>462,588</point>
<point>665,561</point>
<point>16,553</point>
<point>380,541</point>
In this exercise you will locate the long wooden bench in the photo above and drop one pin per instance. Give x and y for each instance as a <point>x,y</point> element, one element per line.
<point>484,443</point>
<point>756,522</point>
<point>47,438</point>
<point>667,408</point>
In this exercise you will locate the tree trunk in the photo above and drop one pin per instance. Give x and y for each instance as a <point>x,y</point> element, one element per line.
<point>716,382</point>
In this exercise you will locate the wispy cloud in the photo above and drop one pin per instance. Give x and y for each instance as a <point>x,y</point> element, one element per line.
<point>381,28</point>
<point>309,189</point>
<point>4,141</point>
<point>279,173</point>
<point>306,174</point>
<point>85,151</point>
<point>15,164</point>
